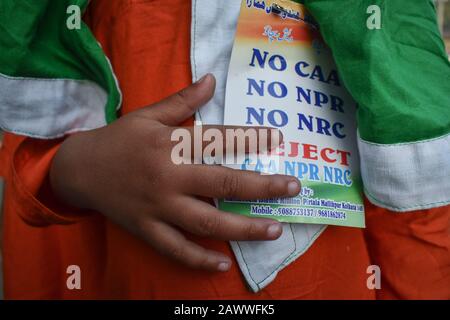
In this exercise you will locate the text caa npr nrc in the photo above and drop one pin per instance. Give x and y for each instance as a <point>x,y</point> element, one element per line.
<point>278,118</point>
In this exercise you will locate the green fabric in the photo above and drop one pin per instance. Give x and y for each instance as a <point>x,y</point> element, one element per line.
<point>399,75</point>
<point>35,42</point>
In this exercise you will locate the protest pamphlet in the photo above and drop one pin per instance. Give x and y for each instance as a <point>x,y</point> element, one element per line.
<point>282,75</point>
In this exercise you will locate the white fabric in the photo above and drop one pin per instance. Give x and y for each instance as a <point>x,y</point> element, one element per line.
<point>213,29</point>
<point>50,108</point>
<point>407,176</point>
<point>260,261</point>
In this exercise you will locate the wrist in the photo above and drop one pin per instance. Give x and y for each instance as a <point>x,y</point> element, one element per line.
<point>68,175</point>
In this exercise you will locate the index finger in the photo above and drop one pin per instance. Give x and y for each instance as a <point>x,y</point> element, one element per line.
<point>221,182</point>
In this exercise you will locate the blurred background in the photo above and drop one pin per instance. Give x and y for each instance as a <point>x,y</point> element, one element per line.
<point>443,16</point>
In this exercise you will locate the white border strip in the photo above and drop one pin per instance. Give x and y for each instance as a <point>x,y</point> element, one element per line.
<point>407,176</point>
<point>50,108</point>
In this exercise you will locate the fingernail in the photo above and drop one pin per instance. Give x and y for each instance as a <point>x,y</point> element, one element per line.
<point>202,79</point>
<point>274,230</point>
<point>293,188</point>
<point>223,266</point>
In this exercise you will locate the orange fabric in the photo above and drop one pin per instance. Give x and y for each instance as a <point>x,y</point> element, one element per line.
<point>114,264</point>
<point>148,43</point>
<point>412,250</point>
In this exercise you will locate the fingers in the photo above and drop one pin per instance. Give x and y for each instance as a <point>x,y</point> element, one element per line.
<point>222,144</point>
<point>236,140</point>
<point>170,242</point>
<point>221,182</point>
<point>201,218</point>
<point>175,109</point>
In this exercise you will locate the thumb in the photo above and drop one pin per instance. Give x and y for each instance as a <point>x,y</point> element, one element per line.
<point>175,109</point>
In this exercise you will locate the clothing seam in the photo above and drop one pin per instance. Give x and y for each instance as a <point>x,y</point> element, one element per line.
<point>193,53</point>
<point>195,40</point>
<point>50,79</point>
<point>47,214</point>
<point>405,209</point>
<point>294,255</point>
<point>443,137</point>
<point>36,136</point>
<point>116,81</point>
<point>90,83</point>
<point>276,269</point>
<point>409,207</point>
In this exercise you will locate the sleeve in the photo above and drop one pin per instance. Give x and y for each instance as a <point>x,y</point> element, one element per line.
<point>392,59</point>
<point>54,80</point>
<point>30,190</point>
<point>54,77</point>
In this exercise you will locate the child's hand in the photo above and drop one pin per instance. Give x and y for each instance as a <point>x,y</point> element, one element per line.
<point>125,171</point>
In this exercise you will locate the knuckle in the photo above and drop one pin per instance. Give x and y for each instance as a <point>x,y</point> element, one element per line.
<point>267,186</point>
<point>182,94</point>
<point>251,231</point>
<point>177,253</point>
<point>209,225</point>
<point>180,99</point>
<point>202,262</point>
<point>230,185</point>
<point>141,227</point>
<point>164,138</point>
